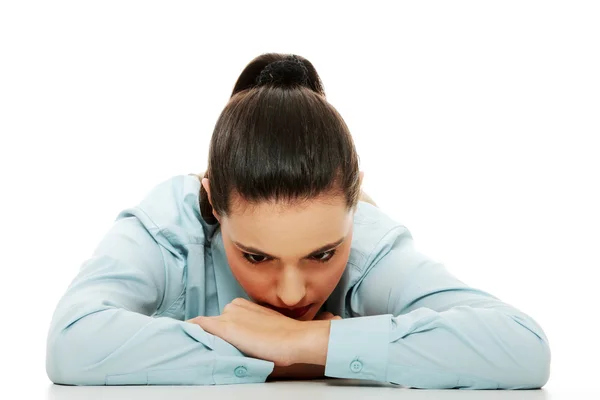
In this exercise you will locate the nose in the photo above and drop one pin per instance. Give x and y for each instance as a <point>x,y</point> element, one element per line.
<point>290,287</point>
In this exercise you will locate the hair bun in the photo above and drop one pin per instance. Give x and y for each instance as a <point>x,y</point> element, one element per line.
<point>287,72</point>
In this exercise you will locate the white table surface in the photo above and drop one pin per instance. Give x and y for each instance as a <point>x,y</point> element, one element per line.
<point>291,390</point>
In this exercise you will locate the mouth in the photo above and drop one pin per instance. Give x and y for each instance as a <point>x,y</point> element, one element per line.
<point>293,313</point>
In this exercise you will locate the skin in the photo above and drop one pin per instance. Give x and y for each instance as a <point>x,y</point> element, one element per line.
<point>286,273</point>
<point>289,233</point>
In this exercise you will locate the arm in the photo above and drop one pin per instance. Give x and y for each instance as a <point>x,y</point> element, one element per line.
<point>420,326</point>
<point>103,332</point>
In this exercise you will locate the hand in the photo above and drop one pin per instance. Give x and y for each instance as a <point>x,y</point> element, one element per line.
<point>265,334</point>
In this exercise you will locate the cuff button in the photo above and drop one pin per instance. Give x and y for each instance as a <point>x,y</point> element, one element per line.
<point>356,366</point>
<point>240,372</point>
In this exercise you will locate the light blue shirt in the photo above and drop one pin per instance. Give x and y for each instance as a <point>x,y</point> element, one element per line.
<point>407,319</point>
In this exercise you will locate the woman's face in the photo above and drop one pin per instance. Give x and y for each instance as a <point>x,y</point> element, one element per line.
<point>288,257</point>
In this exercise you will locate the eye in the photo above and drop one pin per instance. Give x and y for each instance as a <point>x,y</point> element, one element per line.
<point>257,259</point>
<point>252,258</point>
<point>324,257</point>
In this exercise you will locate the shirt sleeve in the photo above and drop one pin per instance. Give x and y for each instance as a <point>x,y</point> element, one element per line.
<point>103,333</point>
<point>419,326</point>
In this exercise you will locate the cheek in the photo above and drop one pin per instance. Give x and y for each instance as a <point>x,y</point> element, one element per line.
<point>324,278</point>
<point>335,272</point>
<point>253,282</point>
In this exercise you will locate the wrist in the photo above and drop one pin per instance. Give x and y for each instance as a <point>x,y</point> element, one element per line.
<point>315,342</point>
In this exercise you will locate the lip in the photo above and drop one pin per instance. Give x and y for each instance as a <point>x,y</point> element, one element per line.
<point>293,313</point>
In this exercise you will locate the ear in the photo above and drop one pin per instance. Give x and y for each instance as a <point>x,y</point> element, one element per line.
<point>206,185</point>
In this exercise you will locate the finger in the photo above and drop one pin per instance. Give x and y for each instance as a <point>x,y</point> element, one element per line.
<point>194,320</point>
<point>208,324</point>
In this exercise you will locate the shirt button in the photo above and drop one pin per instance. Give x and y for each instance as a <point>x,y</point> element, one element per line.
<point>356,366</point>
<point>240,372</point>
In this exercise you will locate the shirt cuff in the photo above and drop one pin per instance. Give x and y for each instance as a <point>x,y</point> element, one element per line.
<point>232,370</point>
<point>230,364</point>
<point>358,348</point>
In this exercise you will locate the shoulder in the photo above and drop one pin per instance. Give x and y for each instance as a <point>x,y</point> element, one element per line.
<point>170,211</point>
<point>373,231</point>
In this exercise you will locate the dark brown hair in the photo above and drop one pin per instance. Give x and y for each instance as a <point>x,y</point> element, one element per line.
<point>278,138</point>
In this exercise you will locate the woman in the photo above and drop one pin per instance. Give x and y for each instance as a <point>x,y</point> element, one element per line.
<point>269,265</point>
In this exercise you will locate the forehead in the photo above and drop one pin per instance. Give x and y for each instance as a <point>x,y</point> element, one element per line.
<point>289,228</point>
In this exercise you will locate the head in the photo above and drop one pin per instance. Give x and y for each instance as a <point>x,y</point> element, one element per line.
<point>283,182</point>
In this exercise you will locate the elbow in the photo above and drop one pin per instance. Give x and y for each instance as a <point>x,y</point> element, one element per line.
<point>523,362</point>
<point>61,366</point>
<point>536,365</point>
<point>57,364</point>
<point>533,356</point>
<point>66,360</point>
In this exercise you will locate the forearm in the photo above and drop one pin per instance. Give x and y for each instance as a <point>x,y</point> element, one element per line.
<point>463,347</point>
<point>116,347</point>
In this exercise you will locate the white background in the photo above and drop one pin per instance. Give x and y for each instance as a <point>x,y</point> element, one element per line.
<point>476,122</point>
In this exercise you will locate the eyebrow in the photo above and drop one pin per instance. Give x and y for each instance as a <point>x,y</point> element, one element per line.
<point>258,252</point>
